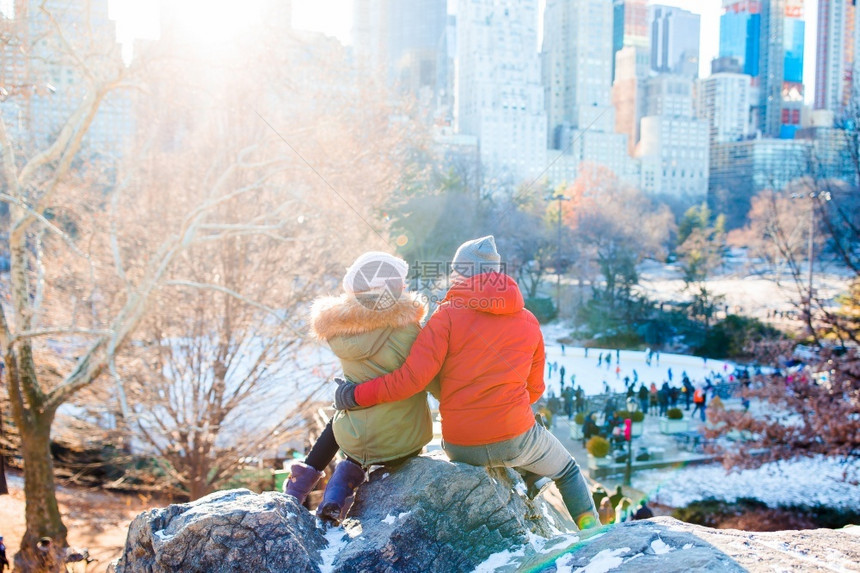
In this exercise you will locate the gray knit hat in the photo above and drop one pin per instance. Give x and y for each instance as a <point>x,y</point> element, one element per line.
<point>476,257</point>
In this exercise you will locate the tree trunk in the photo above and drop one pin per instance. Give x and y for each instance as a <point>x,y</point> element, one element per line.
<point>41,509</point>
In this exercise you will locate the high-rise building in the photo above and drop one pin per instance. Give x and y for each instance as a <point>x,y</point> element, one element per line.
<point>632,67</point>
<point>724,100</point>
<point>668,94</point>
<point>45,75</point>
<point>629,27</point>
<point>674,40</point>
<point>781,70</point>
<point>740,33</point>
<point>577,77</point>
<point>836,60</point>
<point>767,39</point>
<point>577,53</point>
<point>406,41</point>
<point>742,169</point>
<point>673,148</point>
<point>674,157</point>
<point>500,98</point>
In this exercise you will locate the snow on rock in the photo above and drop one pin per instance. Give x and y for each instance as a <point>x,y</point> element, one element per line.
<point>605,561</point>
<point>803,481</point>
<point>435,516</point>
<point>337,540</point>
<point>659,547</point>
<point>649,545</point>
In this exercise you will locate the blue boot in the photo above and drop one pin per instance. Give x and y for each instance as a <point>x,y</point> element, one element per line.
<point>303,479</point>
<point>338,497</point>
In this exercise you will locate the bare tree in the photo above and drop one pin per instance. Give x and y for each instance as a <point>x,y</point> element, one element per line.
<point>93,251</point>
<point>33,173</point>
<point>813,405</point>
<point>701,246</point>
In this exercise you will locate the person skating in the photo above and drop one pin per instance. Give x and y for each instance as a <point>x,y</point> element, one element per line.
<point>663,398</point>
<point>370,328</point>
<point>488,353</point>
<point>568,401</point>
<point>699,402</point>
<point>580,399</point>
<point>653,400</point>
<point>643,398</point>
<point>688,392</point>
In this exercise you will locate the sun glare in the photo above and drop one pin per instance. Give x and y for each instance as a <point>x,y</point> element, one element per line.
<point>214,22</point>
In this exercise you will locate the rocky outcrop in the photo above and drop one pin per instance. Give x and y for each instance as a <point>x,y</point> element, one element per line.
<point>434,515</point>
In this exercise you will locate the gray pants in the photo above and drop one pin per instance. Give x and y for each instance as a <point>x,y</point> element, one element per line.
<point>538,452</point>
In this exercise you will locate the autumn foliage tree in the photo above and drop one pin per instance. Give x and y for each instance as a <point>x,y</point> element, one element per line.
<point>811,406</point>
<point>617,227</point>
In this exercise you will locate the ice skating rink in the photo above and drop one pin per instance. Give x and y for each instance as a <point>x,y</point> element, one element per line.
<point>591,376</point>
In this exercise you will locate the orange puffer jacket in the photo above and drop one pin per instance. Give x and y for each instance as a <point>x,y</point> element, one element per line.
<point>488,352</point>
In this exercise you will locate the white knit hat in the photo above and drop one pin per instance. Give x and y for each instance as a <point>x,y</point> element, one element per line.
<point>376,271</point>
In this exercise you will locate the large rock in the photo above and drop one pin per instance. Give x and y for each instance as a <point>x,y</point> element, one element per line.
<point>427,515</point>
<point>234,530</point>
<point>434,515</point>
<point>667,545</point>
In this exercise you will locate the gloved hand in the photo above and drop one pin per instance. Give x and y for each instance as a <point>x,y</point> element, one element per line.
<point>344,396</point>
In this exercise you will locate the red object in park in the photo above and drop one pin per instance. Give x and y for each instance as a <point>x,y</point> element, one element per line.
<point>628,428</point>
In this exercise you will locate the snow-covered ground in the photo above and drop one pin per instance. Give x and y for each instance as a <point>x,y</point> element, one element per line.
<point>804,481</point>
<point>591,376</point>
<point>745,291</point>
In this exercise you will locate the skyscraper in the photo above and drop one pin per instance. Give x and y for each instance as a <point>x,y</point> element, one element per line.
<point>767,37</point>
<point>674,144</point>
<point>46,77</point>
<point>405,40</point>
<point>674,40</point>
<point>577,68</point>
<point>629,26</point>
<point>836,59</point>
<point>500,98</point>
<point>577,77</point>
<point>781,68</point>
<point>632,64</point>
<point>740,33</point>
<point>723,100</point>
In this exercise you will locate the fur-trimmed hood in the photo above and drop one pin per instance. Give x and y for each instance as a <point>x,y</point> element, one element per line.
<point>344,315</point>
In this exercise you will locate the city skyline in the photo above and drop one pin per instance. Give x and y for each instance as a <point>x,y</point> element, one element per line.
<point>334,17</point>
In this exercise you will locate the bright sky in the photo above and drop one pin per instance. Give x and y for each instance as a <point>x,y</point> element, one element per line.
<point>334,17</point>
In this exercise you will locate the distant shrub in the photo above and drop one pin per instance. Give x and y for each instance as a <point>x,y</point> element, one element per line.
<point>543,309</point>
<point>636,416</point>
<point>675,414</point>
<point>598,447</point>
<point>730,337</point>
